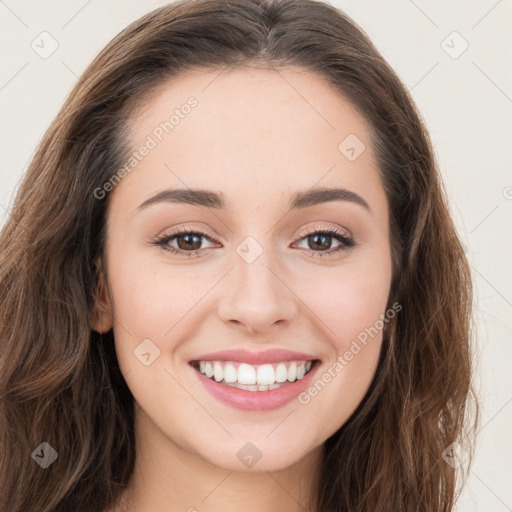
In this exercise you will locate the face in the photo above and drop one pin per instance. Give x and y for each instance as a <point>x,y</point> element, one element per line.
<point>247,316</point>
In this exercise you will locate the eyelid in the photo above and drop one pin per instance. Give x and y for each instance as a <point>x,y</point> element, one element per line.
<point>213,237</point>
<point>318,227</point>
<point>187,229</point>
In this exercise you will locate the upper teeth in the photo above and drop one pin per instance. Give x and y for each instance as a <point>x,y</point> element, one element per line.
<point>248,374</point>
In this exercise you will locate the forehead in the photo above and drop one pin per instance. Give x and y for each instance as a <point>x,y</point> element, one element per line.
<point>247,131</point>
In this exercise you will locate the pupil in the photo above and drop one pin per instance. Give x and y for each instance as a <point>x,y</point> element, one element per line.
<point>324,242</point>
<point>188,242</point>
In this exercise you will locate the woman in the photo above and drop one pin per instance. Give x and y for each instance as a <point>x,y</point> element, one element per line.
<point>230,279</point>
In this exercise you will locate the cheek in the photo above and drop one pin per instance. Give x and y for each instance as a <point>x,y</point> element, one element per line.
<point>349,302</point>
<point>152,297</point>
<point>353,312</point>
<point>151,302</point>
<point>358,306</point>
<point>352,309</point>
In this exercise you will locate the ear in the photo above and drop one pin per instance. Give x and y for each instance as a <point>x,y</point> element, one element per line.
<point>102,320</point>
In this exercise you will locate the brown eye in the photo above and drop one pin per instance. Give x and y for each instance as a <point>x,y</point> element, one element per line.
<point>319,242</point>
<point>189,242</point>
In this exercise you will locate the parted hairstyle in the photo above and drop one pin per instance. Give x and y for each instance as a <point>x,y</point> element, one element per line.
<point>59,379</point>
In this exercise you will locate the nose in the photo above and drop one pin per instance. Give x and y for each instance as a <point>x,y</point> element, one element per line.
<point>256,296</point>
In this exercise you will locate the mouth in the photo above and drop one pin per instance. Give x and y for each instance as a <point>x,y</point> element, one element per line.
<point>255,381</point>
<point>249,377</point>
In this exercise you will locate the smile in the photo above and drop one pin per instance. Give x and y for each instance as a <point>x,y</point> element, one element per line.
<point>249,377</point>
<point>255,381</point>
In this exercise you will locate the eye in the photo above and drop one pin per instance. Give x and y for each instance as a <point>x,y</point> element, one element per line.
<point>188,241</point>
<point>318,241</point>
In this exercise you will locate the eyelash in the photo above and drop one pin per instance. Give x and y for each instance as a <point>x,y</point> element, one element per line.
<point>346,244</point>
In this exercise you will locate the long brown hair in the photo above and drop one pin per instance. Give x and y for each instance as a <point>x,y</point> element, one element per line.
<point>60,382</point>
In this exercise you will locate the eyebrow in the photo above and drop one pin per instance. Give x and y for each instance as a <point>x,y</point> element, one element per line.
<point>211,199</point>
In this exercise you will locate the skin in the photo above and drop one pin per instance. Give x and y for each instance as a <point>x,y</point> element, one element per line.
<point>257,136</point>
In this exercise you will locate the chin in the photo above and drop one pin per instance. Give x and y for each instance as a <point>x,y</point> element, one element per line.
<point>257,454</point>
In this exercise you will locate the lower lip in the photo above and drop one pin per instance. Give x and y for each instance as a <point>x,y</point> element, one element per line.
<point>256,400</point>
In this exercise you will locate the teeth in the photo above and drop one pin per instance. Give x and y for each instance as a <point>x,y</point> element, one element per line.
<point>218,371</point>
<point>292,372</point>
<point>208,370</point>
<point>281,373</point>
<point>265,375</point>
<point>246,374</point>
<point>250,377</point>
<point>230,373</point>
<point>252,387</point>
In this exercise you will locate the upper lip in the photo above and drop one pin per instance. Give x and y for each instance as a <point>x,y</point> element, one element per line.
<point>263,357</point>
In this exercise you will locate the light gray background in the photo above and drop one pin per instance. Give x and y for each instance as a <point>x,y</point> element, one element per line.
<point>466,103</point>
